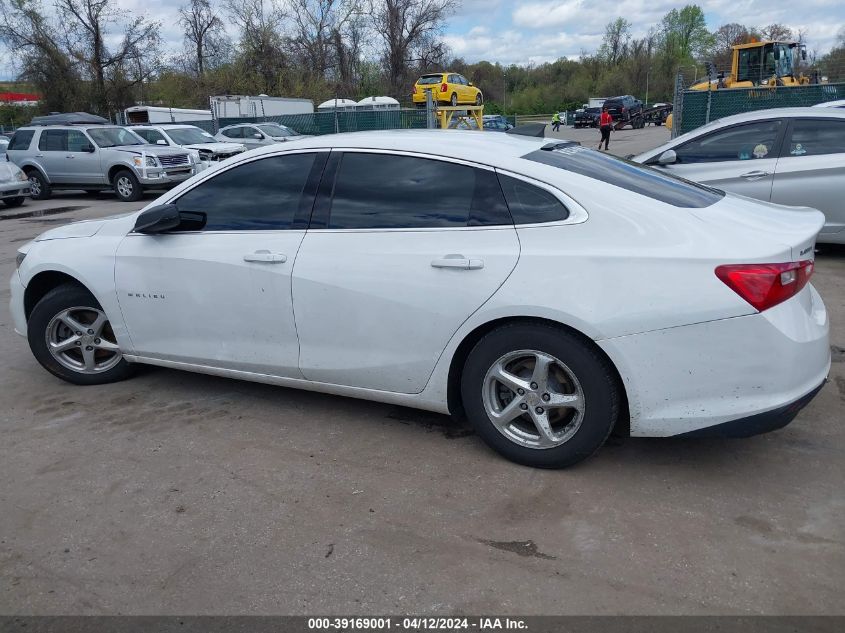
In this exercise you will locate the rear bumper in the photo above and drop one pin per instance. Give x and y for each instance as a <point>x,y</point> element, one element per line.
<point>758,423</point>
<point>725,372</point>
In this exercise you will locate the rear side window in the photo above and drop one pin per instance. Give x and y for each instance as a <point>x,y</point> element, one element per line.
<point>53,141</point>
<point>815,137</point>
<point>529,204</point>
<point>749,141</point>
<point>273,186</point>
<point>619,172</point>
<point>21,139</point>
<point>385,191</point>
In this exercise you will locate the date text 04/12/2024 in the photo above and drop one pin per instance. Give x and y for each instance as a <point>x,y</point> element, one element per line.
<point>410,623</point>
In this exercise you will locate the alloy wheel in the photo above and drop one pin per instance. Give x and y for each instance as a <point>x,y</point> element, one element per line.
<point>81,339</point>
<point>124,187</point>
<point>533,399</point>
<point>34,186</point>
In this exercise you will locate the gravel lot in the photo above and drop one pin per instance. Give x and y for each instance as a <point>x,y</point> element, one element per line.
<point>176,493</point>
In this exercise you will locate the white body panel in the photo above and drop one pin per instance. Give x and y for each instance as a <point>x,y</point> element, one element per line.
<point>373,319</point>
<point>155,114</point>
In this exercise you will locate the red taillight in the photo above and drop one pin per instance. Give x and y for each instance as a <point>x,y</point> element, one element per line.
<point>444,87</point>
<point>414,89</point>
<point>766,285</point>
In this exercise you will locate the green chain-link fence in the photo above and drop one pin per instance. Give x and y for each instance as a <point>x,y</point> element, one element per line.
<point>700,107</point>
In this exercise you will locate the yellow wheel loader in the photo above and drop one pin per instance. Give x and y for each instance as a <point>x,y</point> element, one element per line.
<point>761,64</point>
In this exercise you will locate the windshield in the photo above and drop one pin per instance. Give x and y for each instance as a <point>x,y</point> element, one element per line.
<point>272,129</point>
<point>628,175</point>
<point>114,136</point>
<point>189,136</point>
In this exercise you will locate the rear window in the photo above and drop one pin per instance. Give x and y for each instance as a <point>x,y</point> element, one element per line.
<point>426,80</point>
<point>628,175</point>
<point>21,139</point>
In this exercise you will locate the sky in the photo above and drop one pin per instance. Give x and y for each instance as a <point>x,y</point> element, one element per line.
<point>536,31</point>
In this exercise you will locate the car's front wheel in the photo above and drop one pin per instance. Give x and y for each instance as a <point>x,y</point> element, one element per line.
<point>454,100</point>
<point>539,395</point>
<point>71,337</point>
<point>127,187</point>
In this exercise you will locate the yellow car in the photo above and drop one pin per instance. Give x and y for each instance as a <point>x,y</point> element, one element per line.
<point>447,89</point>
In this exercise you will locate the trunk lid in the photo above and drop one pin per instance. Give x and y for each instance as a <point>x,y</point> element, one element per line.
<point>770,230</point>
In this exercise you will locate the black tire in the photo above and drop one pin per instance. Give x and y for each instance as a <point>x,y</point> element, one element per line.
<point>54,302</point>
<point>479,99</point>
<point>39,188</point>
<point>126,186</point>
<point>454,100</point>
<point>596,377</point>
<point>14,202</point>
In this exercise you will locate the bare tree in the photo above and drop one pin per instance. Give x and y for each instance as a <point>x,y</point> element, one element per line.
<point>112,70</point>
<point>777,32</point>
<point>408,28</point>
<point>617,36</point>
<point>262,51</point>
<point>205,35</point>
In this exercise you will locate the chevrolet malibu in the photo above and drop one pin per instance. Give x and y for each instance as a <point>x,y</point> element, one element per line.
<point>545,292</point>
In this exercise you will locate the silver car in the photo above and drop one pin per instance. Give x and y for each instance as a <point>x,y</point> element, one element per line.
<point>791,156</point>
<point>258,134</point>
<point>14,185</point>
<point>207,149</point>
<point>95,157</point>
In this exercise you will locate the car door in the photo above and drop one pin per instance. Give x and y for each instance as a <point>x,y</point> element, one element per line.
<point>52,153</point>
<point>402,249</point>
<point>253,137</point>
<point>82,160</point>
<point>740,158</point>
<point>217,290</point>
<point>811,169</point>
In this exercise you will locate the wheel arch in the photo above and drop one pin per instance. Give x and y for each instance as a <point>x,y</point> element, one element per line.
<point>459,358</point>
<point>44,282</point>
<point>114,170</point>
<point>28,168</point>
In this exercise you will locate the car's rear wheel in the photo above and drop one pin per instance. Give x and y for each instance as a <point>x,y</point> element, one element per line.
<point>454,100</point>
<point>14,202</point>
<point>71,337</point>
<point>126,186</point>
<point>539,395</point>
<point>39,188</point>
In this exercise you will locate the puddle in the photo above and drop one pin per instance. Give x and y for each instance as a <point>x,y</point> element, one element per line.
<point>39,213</point>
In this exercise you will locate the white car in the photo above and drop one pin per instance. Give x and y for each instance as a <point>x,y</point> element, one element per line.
<point>791,156</point>
<point>839,103</point>
<point>258,134</point>
<point>14,184</point>
<point>207,149</point>
<point>547,292</point>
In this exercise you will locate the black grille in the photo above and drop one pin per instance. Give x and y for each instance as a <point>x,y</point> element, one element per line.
<point>171,160</point>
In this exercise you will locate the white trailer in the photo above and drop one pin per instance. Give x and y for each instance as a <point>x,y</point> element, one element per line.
<point>246,107</point>
<point>597,102</point>
<point>157,114</point>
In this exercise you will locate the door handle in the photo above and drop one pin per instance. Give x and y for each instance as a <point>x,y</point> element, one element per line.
<point>754,175</point>
<point>265,257</point>
<point>70,156</point>
<point>458,261</point>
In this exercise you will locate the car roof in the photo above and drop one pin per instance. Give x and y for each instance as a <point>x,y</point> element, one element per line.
<point>469,145</point>
<point>164,126</point>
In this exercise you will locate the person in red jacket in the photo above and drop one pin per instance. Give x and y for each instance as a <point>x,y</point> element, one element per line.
<point>605,125</point>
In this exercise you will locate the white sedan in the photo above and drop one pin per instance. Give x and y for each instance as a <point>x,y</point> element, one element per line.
<point>793,156</point>
<point>546,292</point>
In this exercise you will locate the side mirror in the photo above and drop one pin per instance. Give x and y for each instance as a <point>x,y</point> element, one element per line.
<point>158,219</point>
<point>804,54</point>
<point>669,157</point>
<point>258,135</point>
<point>161,141</point>
<point>88,148</point>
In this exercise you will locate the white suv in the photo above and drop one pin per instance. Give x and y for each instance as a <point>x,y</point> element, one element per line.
<point>207,149</point>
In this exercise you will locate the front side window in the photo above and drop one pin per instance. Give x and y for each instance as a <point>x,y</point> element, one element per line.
<point>151,136</point>
<point>234,132</point>
<point>77,141</point>
<point>262,195</point>
<point>751,141</point>
<point>53,141</point>
<point>385,191</point>
<point>114,137</point>
<point>815,137</point>
<point>21,139</point>
<point>619,172</point>
<point>271,129</point>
